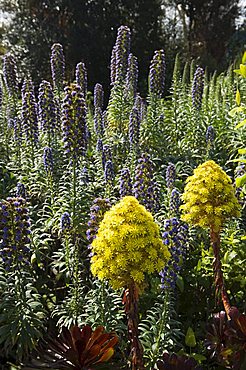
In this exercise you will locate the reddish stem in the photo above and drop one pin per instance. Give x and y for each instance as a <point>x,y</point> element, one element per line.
<point>130,300</point>
<point>218,274</point>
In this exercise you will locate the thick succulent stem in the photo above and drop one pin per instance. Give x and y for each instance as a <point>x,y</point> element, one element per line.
<point>130,300</point>
<point>218,274</point>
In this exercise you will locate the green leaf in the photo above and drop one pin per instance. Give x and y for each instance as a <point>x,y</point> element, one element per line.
<point>198,357</point>
<point>180,283</point>
<point>190,339</point>
<point>244,58</point>
<point>242,151</point>
<point>240,181</point>
<point>241,71</point>
<point>238,97</point>
<point>236,110</point>
<point>238,160</point>
<point>241,124</point>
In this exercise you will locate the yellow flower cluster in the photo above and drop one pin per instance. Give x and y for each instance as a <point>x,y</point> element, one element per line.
<point>209,197</point>
<point>128,245</point>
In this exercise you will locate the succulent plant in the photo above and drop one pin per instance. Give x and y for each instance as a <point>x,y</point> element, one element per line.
<point>75,349</point>
<point>226,339</point>
<point>176,362</point>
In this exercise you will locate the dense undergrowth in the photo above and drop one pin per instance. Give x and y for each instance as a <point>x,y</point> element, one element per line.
<point>66,159</point>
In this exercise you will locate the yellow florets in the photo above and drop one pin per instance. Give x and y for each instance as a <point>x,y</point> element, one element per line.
<point>209,197</point>
<point>128,245</point>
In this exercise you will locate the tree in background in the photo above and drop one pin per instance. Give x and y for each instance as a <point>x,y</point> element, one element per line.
<point>87,31</point>
<point>208,27</point>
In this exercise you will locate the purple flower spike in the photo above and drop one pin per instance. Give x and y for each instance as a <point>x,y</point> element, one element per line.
<point>197,88</point>
<point>98,96</point>
<point>106,155</point>
<point>21,190</point>
<point>81,77</point>
<point>131,76</point>
<point>157,74</point>
<point>14,232</point>
<point>174,202</point>
<point>48,160</point>
<point>176,237</point>
<point>57,62</point>
<point>74,126</point>
<point>145,188</point>
<point>97,210</point>
<point>210,135</point>
<point>170,175</point>
<point>121,50</point>
<point>65,223</point>
<point>134,128</point>
<point>10,74</point>
<point>29,112</point>
<point>109,172</point>
<point>125,183</point>
<point>47,109</point>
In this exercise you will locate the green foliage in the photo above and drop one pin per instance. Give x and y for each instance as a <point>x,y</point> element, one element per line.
<point>160,330</point>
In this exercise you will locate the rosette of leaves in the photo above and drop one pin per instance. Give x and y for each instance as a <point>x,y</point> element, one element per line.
<point>175,362</point>
<point>226,339</point>
<point>76,349</point>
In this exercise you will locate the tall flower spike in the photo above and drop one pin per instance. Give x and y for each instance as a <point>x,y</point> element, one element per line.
<point>21,190</point>
<point>210,135</point>
<point>197,88</point>
<point>48,160</point>
<point>57,62</point>
<point>29,112</point>
<point>122,50</point>
<point>98,96</point>
<point>127,245</point>
<point>47,109</point>
<point>170,175</point>
<point>174,202</point>
<point>132,76</point>
<point>134,129</point>
<point>140,106</point>
<point>125,183</point>
<point>145,189</point>
<point>157,74</point>
<point>81,77</point>
<point>98,122</point>
<point>99,146</point>
<point>109,172</point>
<point>10,74</point>
<point>17,131</point>
<point>175,237</point>
<point>106,155</point>
<point>14,232</point>
<point>97,211</point>
<point>98,114</point>
<point>65,223</point>
<point>74,126</point>
<point>113,66</point>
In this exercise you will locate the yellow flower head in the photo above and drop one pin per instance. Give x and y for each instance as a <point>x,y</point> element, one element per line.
<point>128,245</point>
<point>209,197</point>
